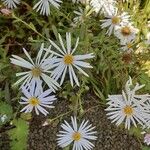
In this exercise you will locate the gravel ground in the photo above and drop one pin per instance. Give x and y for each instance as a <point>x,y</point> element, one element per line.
<point>109,136</point>
<point>4,141</point>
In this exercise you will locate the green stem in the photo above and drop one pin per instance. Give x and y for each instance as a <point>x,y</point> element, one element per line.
<point>28,25</point>
<point>76,107</point>
<point>51,120</point>
<point>80,106</point>
<point>15,114</point>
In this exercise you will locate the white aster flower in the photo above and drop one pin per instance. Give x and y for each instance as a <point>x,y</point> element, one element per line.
<point>36,99</point>
<point>127,46</point>
<point>44,6</point>
<point>128,107</point>
<point>11,3</point>
<point>81,15</point>
<point>80,136</point>
<point>103,5</point>
<point>66,60</point>
<point>114,19</point>
<point>120,109</point>
<point>38,70</point>
<point>126,33</point>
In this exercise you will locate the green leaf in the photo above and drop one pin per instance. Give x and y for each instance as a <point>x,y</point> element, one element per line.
<point>55,31</point>
<point>26,116</point>
<point>19,134</point>
<point>5,109</point>
<point>32,26</point>
<point>136,131</point>
<point>67,148</point>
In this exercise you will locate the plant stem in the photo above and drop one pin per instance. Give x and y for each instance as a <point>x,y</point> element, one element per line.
<point>75,108</point>
<point>28,25</point>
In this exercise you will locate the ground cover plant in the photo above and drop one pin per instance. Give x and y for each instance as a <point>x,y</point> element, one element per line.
<point>68,66</point>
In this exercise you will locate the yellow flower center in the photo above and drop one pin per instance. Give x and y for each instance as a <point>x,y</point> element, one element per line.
<point>129,45</point>
<point>36,72</point>
<point>68,59</point>
<point>115,20</point>
<point>128,110</point>
<point>34,101</point>
<point>76,136</point>
<point>126,31</point>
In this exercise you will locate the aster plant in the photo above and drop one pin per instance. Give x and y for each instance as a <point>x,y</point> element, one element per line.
<point>37,99</point>
<point>66,61</point>
<point>114,19</point>
<point>128,107</point>
<point>80,136</point>
<point>38,71</point>
<point>126,33</point>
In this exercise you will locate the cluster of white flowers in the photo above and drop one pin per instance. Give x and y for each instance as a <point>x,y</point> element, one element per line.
<point>129,107</point>
<point>119,23</point>
<point>49,67</point>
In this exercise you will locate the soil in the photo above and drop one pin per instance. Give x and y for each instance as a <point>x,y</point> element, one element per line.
<point>4,141</point>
